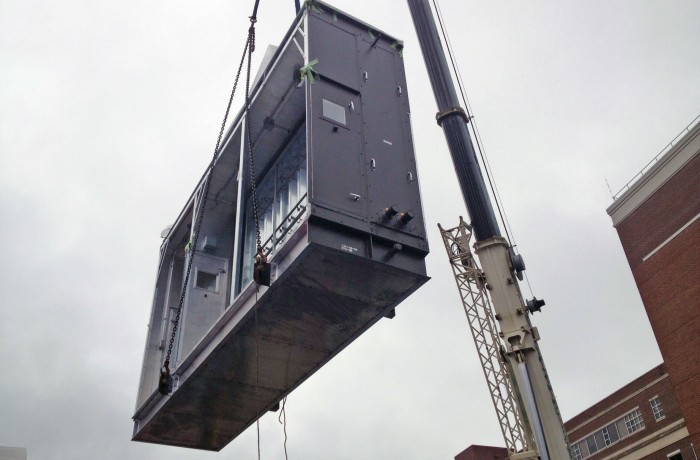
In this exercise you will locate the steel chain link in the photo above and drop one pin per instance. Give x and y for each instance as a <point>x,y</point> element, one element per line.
<point>251,160</point>
<point>247,50</point>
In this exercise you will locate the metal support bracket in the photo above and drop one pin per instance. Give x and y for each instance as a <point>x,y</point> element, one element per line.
<point>449,112</point>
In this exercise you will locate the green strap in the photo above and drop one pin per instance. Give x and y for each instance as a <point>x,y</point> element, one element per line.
<point>395,46</point>
<point>308,72</point>
<point>313,6</point>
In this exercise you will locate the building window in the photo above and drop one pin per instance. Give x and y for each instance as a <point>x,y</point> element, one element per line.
<point>676,455</point>
<point>656,408</point>
<point>608,435</point>
<point>611,433</point>
<point>576,452</point>
<point>592,446</point>
<point>633,421</point>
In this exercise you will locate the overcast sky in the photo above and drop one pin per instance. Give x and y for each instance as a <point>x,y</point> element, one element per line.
<point>109,112</point>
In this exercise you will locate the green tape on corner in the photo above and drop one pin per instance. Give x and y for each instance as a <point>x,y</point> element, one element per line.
<point>308,72</point>
<point>398,46</point>
<point>313,6</point>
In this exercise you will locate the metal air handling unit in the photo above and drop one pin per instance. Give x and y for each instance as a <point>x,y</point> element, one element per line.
<point>340,219</point>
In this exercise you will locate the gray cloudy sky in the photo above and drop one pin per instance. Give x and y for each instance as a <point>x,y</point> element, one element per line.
<point>108,115</point>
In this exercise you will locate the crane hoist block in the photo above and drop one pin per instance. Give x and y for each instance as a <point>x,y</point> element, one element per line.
<point>340,219</point>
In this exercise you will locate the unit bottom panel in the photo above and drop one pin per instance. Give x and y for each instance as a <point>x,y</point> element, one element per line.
<point>320,304</point>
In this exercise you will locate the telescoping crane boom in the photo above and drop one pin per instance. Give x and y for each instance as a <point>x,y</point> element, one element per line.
<point>505,338</point>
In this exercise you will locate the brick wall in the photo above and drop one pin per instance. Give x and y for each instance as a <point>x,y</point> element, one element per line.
<point>483,453</point>
<point>669,280</point>
<point>683,446</point>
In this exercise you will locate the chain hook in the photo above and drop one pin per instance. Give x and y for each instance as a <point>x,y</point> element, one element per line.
<point>262,270</point>
<point>165,382</point>
<point>251,34</point>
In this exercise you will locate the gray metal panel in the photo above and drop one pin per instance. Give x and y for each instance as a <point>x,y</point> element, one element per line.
<point>387,174</point>
<point>335,152</point>
<point>392,176</point>
<point>333,44</point>
<point>204,304</point>
<point>364,244</point>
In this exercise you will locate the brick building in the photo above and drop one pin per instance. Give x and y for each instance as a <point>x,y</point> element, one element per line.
<point>476,452</point>
<point>658,221</point>
<point>640,421</point>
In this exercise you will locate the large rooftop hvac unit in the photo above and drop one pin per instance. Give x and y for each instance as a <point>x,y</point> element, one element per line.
<point>341,219</point>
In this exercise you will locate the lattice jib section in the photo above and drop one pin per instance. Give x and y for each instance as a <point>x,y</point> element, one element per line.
<point>477,306</point>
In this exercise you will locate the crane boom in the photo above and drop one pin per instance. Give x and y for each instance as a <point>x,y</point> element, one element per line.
<point>545,437</point>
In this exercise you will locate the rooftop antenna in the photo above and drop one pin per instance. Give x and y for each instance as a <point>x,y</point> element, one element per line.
<point>609,189</point>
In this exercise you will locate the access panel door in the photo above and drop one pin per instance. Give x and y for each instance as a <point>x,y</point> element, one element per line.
<point>392,176</point>
<point>206,299</point>
<point>338,180</point>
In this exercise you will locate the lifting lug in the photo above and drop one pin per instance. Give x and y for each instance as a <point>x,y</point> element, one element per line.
<point>262,270</point>
<point>165,382</point>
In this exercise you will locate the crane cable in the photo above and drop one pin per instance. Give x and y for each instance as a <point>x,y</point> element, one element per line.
<point>477,137</point>
<point>282,419</point>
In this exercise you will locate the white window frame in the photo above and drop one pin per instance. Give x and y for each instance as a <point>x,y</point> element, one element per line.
<point>634,421</point>
<point>658,409</point>
<point>576,452</point>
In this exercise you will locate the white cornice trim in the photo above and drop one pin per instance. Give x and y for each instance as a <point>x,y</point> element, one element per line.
<point>685,150</point>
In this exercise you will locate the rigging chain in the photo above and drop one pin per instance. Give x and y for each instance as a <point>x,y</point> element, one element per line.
<point>165,381</point>
<point>260,257</point>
